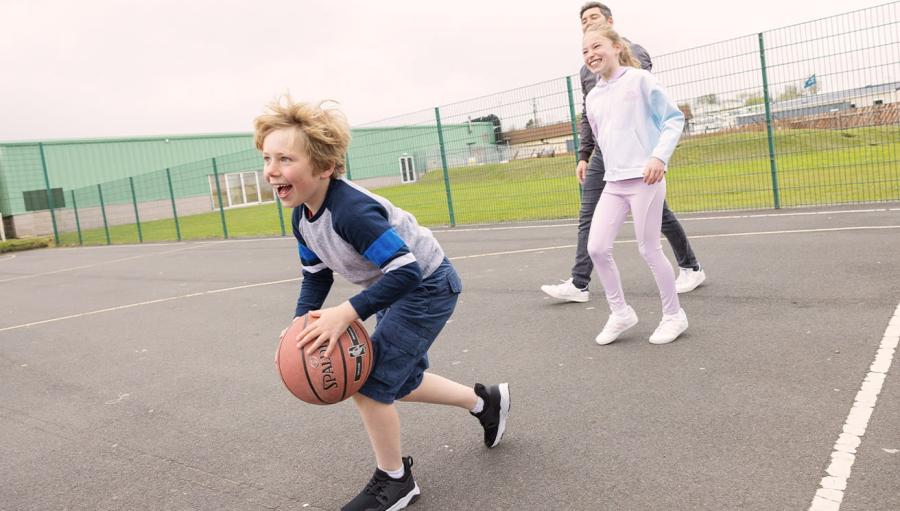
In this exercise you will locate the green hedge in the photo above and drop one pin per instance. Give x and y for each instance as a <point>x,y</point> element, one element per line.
<point>24,244</point>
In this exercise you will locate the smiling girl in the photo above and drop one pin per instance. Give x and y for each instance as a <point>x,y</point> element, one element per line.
<point>636,127</point>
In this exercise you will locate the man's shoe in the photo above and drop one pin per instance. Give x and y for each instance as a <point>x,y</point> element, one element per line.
<point>616,325</point>
<point>689,279</point>
<point>386,494</point>
<point>496,409</point>
<point>566,291</point>
<point>670,328</point>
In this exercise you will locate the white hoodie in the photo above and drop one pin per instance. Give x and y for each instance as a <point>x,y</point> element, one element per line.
<point>632,119</point>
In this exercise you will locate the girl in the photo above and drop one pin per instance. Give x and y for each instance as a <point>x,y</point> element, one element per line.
<point>636,127</point>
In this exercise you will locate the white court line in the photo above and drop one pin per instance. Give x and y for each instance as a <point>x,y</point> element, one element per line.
<point>7,257</point>
<point>831,489</point>
<point>194,244</point>
<point>508,252</point>
<point>680,218</point>
<point>149,302</point>
<point>104,263</point>
<point>524,250</point>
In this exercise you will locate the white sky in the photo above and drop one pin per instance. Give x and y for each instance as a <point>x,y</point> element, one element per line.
<point>105,68</point>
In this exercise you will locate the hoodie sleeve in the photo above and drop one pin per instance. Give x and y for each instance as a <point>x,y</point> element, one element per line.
<point>666,116</point>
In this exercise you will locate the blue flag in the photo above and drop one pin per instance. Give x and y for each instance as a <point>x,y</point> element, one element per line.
<point>810,82</point>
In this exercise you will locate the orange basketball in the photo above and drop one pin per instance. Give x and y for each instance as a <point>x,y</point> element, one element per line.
<point>322,380</point>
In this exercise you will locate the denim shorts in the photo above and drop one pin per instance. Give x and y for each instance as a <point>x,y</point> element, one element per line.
<point>405,331</point>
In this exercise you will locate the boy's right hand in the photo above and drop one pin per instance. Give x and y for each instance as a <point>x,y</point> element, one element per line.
<point>581,170</point>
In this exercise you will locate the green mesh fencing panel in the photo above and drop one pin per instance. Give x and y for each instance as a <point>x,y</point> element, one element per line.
<point>818,125</point>
<point>805,115</point>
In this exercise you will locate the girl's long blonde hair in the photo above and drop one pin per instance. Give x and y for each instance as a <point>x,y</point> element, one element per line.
<point>626,58</point>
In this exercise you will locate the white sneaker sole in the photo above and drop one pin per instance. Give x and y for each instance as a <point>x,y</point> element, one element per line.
<point>605,342</point>
<point>504,412</point>
<point>407,500</point>
<point>667,340</point>
<point>580,299</point>
<point>690,288</point>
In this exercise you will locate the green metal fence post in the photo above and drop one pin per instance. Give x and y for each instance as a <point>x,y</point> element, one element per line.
<point>219,194</point>
<point>572,116</point>
<point>280,215</point>
<point>771,135</point>
<point>347,166</point>
<point>77,221</point>
<point>437,117</point>
<point>49,194</point>
<point>103,212</point>
<point>174,209</point>
<point>574,119</point>
<point>137,216</point>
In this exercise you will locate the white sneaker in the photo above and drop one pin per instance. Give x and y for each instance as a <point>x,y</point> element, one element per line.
<point>670,328</point>
<point>566,291</point>
<point>688,279</point>
<point>616,326</point>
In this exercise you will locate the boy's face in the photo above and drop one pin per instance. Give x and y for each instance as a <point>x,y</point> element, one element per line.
<point>291,173</point>
<point>592,16</point>
<point>600,55</point>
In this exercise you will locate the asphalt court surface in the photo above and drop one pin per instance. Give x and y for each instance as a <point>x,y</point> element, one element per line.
<point>141,377</point>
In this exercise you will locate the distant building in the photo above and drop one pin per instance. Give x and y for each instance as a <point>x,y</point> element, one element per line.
<point>817,104</point>
<point>539,141</point>
<point>102,179</point>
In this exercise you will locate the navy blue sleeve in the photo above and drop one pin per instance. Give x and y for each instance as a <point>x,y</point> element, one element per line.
<point>586,142</point>
<point>365,226</point>
<point>642,56</point>
<point>317,278</point>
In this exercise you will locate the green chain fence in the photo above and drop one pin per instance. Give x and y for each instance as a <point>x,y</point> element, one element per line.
<point>806,115</point>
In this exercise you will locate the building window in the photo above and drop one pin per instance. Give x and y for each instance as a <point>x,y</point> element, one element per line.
<point>407,169</point>
<point>240,189</point>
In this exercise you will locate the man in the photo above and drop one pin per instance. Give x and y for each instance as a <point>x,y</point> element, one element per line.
<point>590,173</point>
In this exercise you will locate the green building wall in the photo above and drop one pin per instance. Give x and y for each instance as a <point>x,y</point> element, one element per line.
<point>72,164</point>
<point>78,166</point>
<point>375,152</point>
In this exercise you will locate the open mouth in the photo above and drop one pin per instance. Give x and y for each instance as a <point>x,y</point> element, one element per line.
<point>282,190</point>
<point>595,62</point>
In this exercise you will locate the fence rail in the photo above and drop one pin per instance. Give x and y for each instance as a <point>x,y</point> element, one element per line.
<point>799,116</point>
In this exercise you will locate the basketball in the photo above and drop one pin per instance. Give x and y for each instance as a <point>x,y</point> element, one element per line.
<point>322,380</point>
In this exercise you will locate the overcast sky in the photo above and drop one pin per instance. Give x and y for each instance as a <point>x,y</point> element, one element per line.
<point>106,68</point>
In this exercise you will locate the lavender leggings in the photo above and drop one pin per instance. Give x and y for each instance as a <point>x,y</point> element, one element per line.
<point>646,204</point>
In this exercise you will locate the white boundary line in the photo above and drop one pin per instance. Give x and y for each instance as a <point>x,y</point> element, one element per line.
<point>473,256</point>
<point>104,263</point>
<point>831,489</point>
<point>8,257</point>
<point>149,302</point>
<point>680,218</point>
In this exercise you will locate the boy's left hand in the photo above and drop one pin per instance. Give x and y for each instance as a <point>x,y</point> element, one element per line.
<point>654,171</point>
<point>331,323</point>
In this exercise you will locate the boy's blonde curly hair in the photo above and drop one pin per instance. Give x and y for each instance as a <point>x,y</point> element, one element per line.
<point>324,132</point>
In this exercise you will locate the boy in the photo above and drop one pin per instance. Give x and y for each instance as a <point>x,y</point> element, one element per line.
<point>408,284</point>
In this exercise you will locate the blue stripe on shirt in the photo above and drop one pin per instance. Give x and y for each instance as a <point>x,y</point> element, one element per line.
<point>307,255</point>
<point>384,248</point>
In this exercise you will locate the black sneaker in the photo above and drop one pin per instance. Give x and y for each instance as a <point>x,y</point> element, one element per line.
<point>493,415</point>
<point>386,494</point>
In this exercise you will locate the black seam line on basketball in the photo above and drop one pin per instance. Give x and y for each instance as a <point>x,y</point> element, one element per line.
<point>344,364</point>
<point>305,368</point>
<point>308,379</point>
